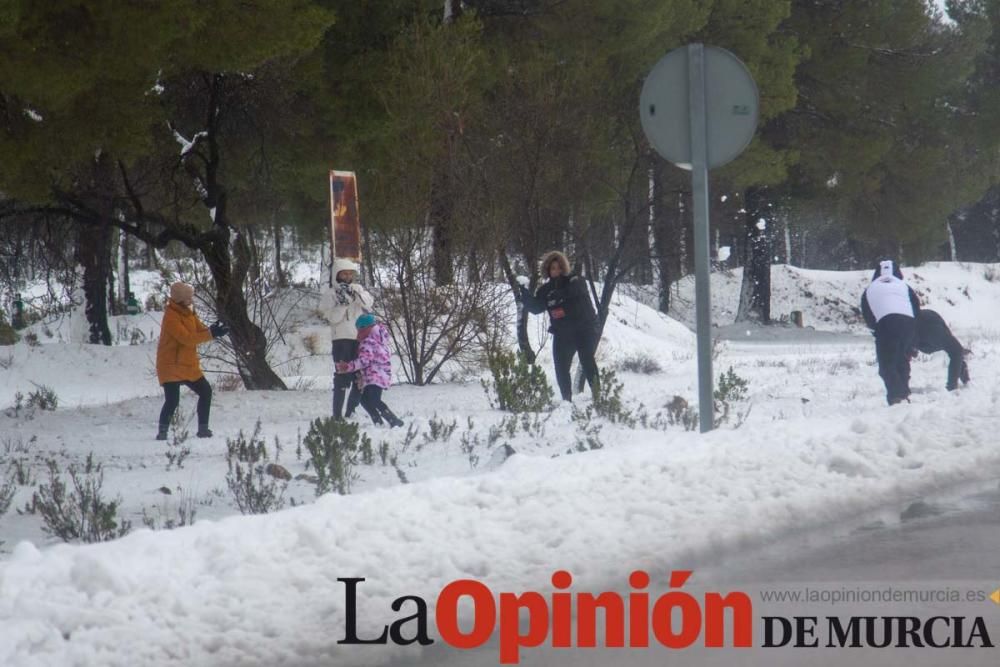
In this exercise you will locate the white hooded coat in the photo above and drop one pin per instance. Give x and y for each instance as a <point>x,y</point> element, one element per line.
<point>340,315</point>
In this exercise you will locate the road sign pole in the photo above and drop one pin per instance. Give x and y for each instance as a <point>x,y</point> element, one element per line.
<point>713,125</point>
<point>699,189</point>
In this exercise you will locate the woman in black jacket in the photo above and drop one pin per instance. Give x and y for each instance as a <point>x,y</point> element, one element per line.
<point>573,323</point>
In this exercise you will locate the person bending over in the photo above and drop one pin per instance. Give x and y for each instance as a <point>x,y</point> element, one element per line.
<point>889,306</point>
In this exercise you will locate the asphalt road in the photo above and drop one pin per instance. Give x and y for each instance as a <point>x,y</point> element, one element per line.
<point>946,544</point>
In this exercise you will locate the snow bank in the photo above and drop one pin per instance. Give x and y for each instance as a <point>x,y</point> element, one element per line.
<point>80,374</point>
<point>263,590</point>
<point>820,446</point>
<point>967,295</point>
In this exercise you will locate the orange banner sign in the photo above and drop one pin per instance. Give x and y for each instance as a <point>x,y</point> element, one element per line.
<point>345,219</point>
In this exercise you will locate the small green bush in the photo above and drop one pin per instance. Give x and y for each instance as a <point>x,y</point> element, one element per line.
<point>517,385</point>
<point>177,451</point>
<point>439,430</point>
<point>7,334</point>
<point>640,362</point>
<point>253,490</point>
<point>334,447</point>
<point>588,430</point>
<point>7,490</point>
<point>731,388</point>
<point>78,512</point>
<point>608,401</point>
<point>167,518</point>
<point>43,398</point>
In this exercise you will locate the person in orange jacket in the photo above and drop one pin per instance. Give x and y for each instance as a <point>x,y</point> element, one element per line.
<point>181,332</point>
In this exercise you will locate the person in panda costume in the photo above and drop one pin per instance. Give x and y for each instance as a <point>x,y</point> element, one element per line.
<point>342,306</point>
<point>890,308</point>
<point>933,335</point>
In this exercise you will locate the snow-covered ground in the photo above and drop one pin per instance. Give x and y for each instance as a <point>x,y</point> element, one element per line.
<point>965,294</point>
<point>816,445</point>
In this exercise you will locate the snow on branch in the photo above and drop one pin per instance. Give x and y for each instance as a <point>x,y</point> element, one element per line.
<point>188,146</point>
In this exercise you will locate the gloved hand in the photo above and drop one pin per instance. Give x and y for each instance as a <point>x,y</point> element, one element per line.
<point>523,281</point>
<point>219,329</point>
<point>343,293</point>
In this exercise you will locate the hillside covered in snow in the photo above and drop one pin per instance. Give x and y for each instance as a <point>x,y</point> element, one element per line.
<point>810,443</point>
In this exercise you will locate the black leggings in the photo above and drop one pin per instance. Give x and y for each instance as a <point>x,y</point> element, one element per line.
<point>344,349</point>
<point>172,397</point>
<point>371,401</point>
<point>565,344</point>
<point>895,336</point>
<point>933,335</point>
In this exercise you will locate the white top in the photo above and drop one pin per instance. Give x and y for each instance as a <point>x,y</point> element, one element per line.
<point>342,317</point>
<point>888,295</point>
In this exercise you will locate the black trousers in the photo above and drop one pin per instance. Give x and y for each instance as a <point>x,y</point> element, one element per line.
<point>580,341</point>
<point>172,398</point>
<point>895,336</point>
<point>933,335</point>
<point>344,349</point>
<point>371,401</point>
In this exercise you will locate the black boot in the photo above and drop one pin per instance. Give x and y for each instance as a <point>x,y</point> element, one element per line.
<point>353,400</point>
<point>204,431</point>
<point>161,434</point>
<point>393,420</point>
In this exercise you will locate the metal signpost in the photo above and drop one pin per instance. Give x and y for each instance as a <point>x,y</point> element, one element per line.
<point>699,108</point>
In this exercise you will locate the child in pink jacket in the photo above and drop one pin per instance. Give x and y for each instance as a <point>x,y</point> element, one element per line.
<point>374,362</point>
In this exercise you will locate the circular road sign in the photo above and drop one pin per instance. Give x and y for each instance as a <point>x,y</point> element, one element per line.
<point>731,101</point>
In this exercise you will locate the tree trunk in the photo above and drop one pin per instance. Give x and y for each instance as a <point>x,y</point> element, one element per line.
<point>661,213</point>
<point>93,251</point>
<point>324,270</point>
<point>444,272</point>
<point>279,272</point>
<point>124,281</point>
<point>112,292</point>
<point>248,341</point>
<point>367,260</point>
<point>755,292</point>
<point>440,216</point>
<point>230,263</point>
<point>523,342</point>
<point>452,10</point>
<point>152,263</point>
<point>788,242</point>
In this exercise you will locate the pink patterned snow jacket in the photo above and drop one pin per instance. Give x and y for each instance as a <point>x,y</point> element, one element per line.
<point>373,358</point>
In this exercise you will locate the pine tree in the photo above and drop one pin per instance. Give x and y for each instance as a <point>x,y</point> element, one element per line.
<point>755,33</point>
<point>977,163</point>
<point>874,128</point>
<point>86,79</point>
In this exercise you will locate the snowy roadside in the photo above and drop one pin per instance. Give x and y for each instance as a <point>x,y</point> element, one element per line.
<point>819,447</point>
<point>263,590</point>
